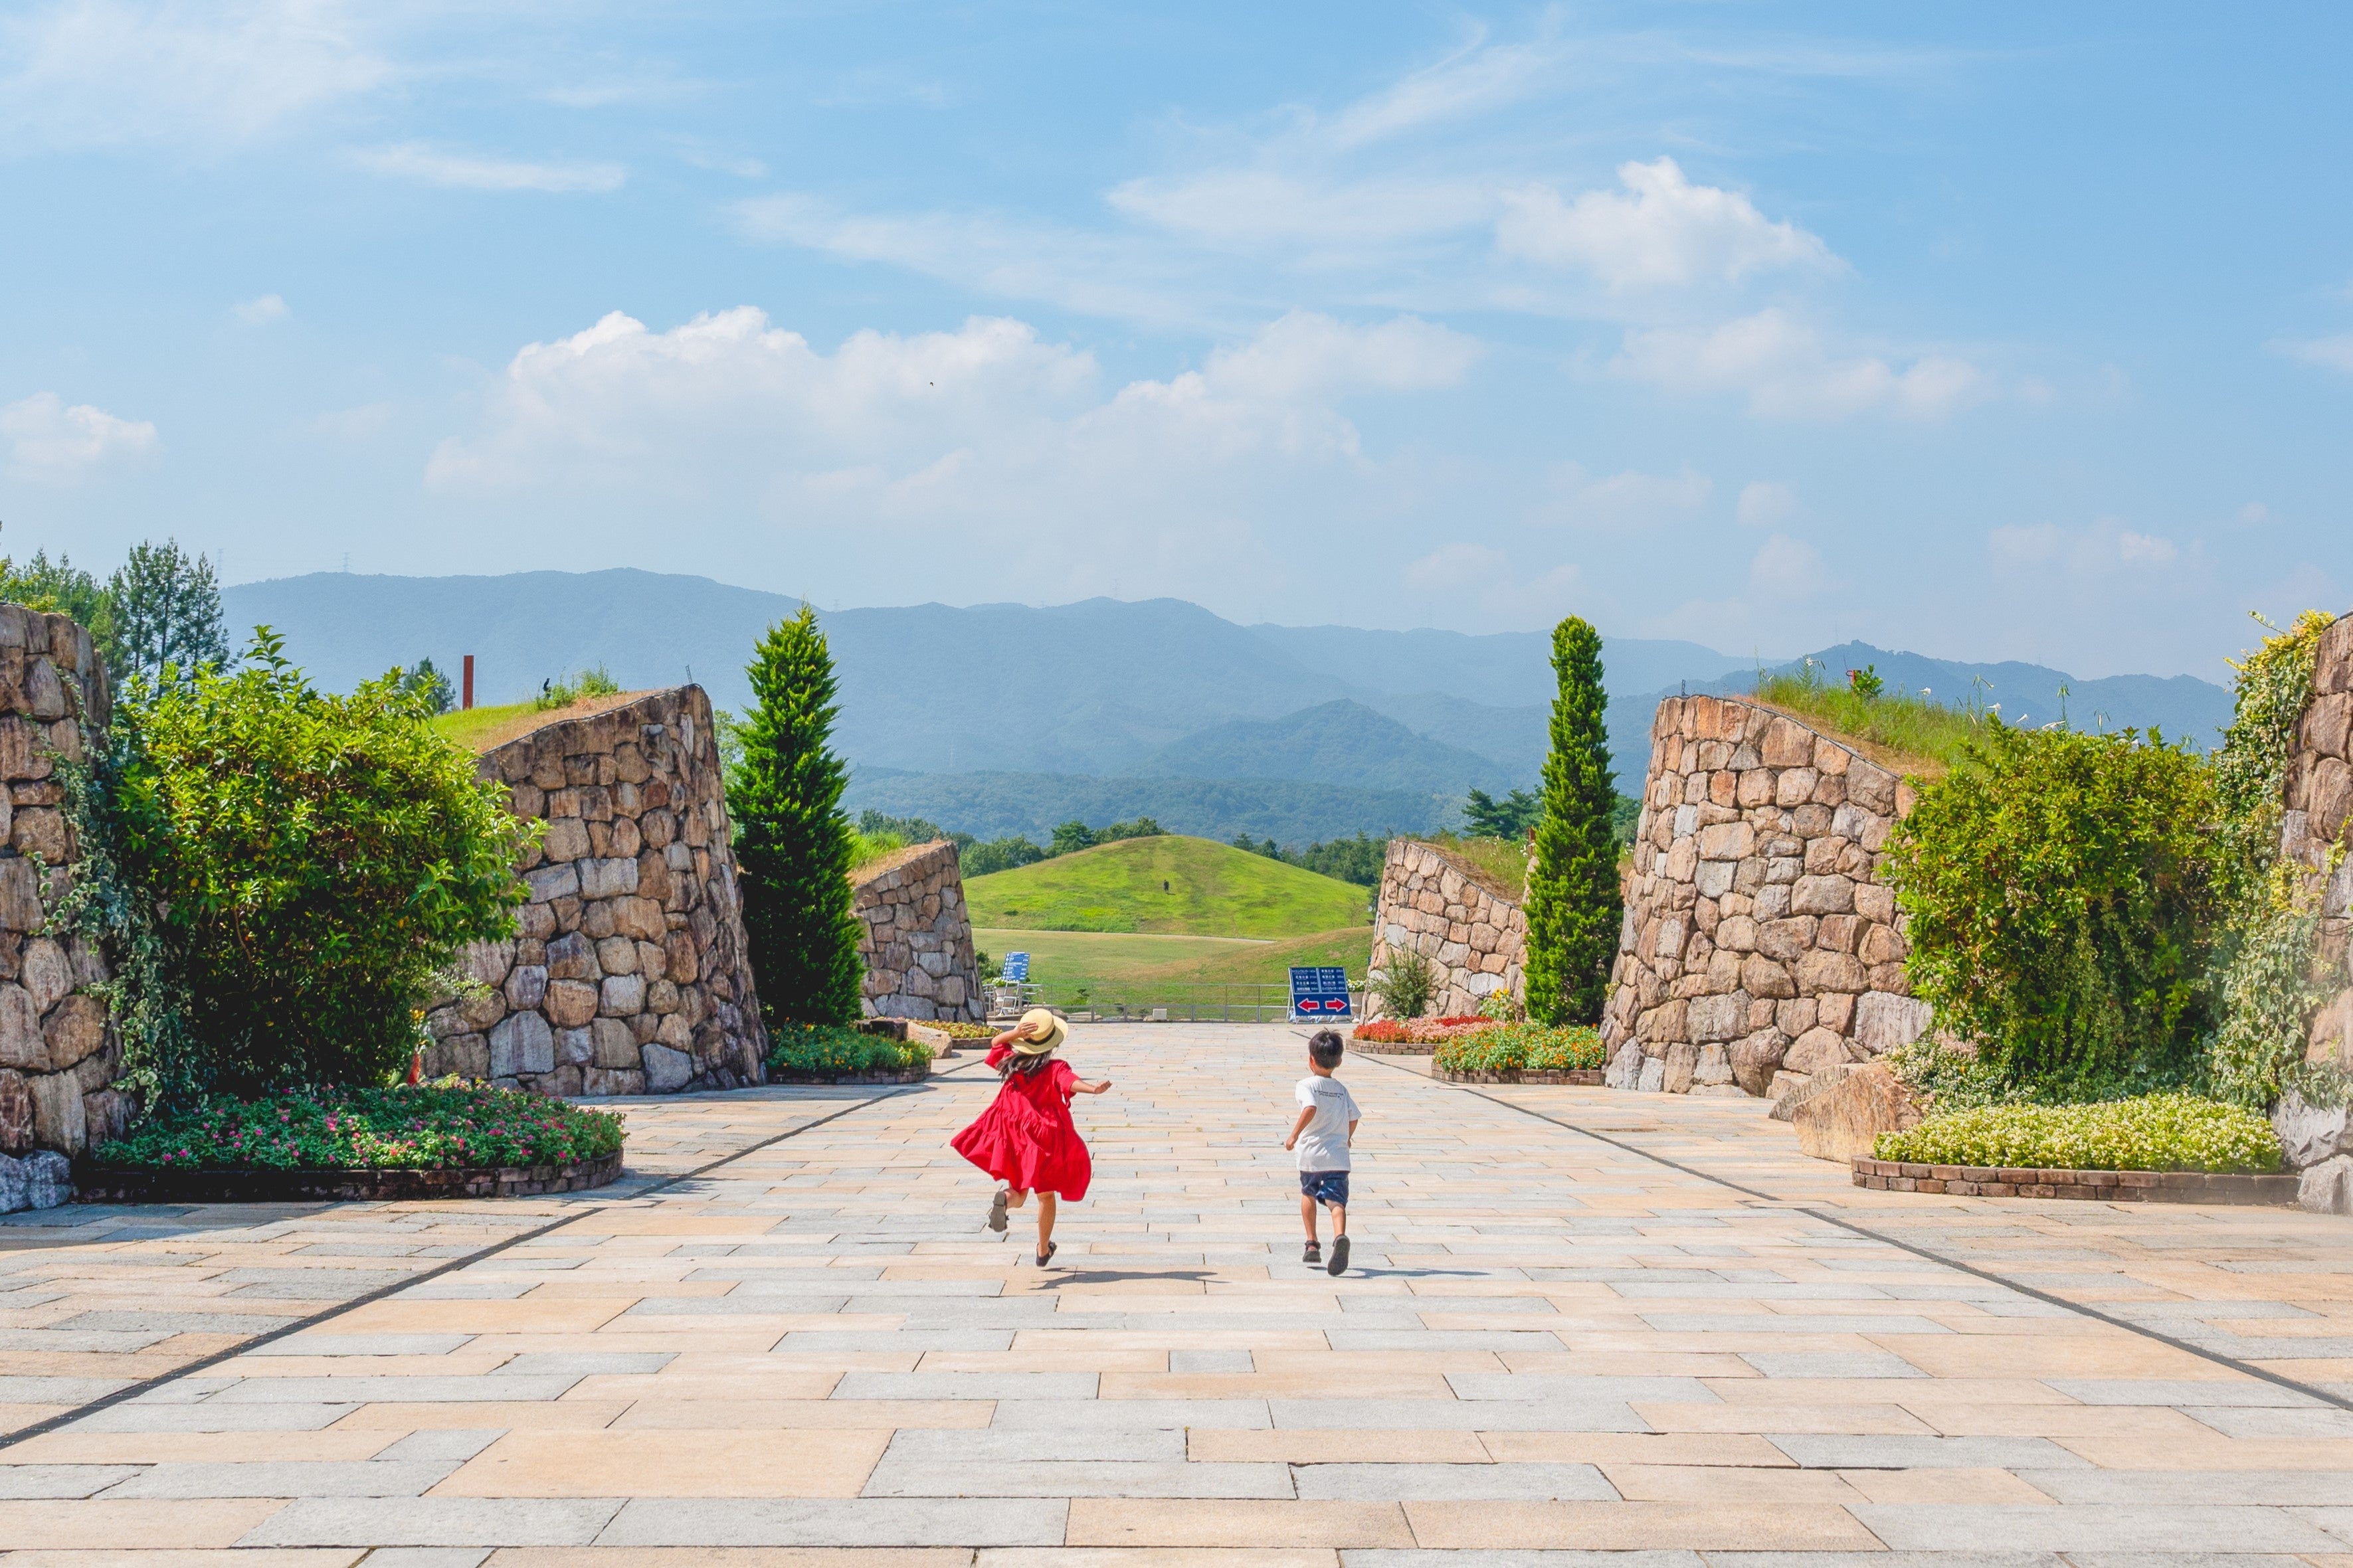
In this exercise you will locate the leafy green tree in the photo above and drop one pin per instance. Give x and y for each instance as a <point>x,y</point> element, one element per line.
<point>167,612</point>
<point>1484,816</point>
<point>60,587</point>
<point>999,855</point>
<point>2062,893</point>
<point>429,687</point>
<point>1071,838</point>
<point>1574,905</point>
<point>793,843</point>
<point>316,860</point>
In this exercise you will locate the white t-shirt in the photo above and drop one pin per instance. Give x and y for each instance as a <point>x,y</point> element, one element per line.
<point>1324,1142</point>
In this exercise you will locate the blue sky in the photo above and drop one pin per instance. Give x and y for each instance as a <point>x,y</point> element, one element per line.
<point>1991,331</point>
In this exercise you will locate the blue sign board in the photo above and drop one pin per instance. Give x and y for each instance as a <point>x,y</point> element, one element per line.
<point>1319,992</point>
<point>1016,970</point>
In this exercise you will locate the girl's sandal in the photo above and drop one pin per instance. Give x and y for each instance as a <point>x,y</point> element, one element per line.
<point>1047,1257</point>
<point>996,1206</point>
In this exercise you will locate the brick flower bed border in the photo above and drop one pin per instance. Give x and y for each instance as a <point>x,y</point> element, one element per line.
<point>2101,1186</point>
<point>1391,1048</point>
<point>1588,1075</point>
<point>99,1186</point>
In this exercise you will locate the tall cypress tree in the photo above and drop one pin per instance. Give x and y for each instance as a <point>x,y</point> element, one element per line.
<point>1573,904</point>
<point>791,840</point>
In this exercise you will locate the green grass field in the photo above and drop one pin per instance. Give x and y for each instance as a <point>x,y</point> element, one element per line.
<point>1109,963</point>
<point>1171,885</point>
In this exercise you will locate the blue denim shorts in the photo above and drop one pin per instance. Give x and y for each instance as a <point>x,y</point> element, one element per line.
<point>1325,1186</point>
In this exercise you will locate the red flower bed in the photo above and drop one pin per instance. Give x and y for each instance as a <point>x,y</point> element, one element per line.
<point>1419,1031</point>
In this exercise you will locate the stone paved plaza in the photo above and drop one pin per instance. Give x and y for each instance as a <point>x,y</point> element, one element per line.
<point>786,1339</point>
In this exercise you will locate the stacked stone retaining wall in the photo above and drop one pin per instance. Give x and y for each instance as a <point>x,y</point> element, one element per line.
<point>1436,905</point>
<point>631,972</point>
<point>1759,942</point>
<point>917,941</point>
<point>2319,799</point>
<point>59,1053</point>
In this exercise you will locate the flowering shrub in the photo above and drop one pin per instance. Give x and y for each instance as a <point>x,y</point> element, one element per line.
<point>437,1126</point>
<point>1522,1048</point>
<point>2154,1133</point>
<point>829,1050</point>
<point>1417,1031</point>
<point>958,1029</point>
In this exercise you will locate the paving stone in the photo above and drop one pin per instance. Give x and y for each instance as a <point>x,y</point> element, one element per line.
<point>287,1478</point>
<point>1025,1386</point>
<point>1823,1451</point>
<point>832,1521</point>
<point>1409,1483</point>
<point>363,1345</point>
<point>434,1522</point>
<point>2086,1528</point>
<point>2289,1489</point>
<point>2243,1392</point>
<point>290,1417</point>
<point>1829,1363</point>
<point>1076,1478</point>
<point>24,1481</point>
<point>395,1390</point>
<point>1127,1414</point>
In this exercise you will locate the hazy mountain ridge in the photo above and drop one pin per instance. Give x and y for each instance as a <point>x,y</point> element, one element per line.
<point>1109,692</point>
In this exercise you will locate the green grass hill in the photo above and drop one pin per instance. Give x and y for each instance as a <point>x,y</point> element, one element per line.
<point>1167,884</point>
<point>1113,964</point>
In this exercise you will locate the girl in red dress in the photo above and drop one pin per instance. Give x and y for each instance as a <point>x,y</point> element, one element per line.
<point>1026,1137</point>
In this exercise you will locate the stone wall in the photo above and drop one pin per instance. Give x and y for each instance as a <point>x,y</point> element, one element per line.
<point>918,939</point>
<point>2320,797</point>
<point>1437,905</point>
<point>630,974</point>
<point>1759,941</point>
<point>58,1048</point>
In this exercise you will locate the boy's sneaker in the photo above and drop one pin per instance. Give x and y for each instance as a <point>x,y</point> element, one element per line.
<point>1315,1254</point>
<point>1339,1264</point>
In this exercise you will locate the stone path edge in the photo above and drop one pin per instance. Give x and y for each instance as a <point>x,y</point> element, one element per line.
<point>2216,1357</point>
<point>249,1185</point>
<point>2101,1186</point>
<point>148,1385</point>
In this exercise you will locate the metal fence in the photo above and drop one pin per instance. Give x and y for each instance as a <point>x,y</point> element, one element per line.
<point>1113,1002</point>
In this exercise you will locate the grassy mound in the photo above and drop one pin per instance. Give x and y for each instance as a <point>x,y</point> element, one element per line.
<point>1113,963</point>
<point>2154,1133</point>
<point>437,1126</point>
<point>1904,732</point>
<point>1167,884</point>
<point>480,728</point>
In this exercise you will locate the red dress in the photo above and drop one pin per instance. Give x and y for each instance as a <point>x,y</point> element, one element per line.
<point>1026,1137</point>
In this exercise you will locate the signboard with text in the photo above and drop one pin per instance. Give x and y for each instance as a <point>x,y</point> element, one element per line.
<point>1319,992</point>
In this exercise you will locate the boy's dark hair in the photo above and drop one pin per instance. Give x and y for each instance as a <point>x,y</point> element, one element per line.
<point>1324,1048</point>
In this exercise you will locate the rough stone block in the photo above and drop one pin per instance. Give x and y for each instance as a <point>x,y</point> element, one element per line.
<point>1883,1022</point>
<point>1822,896</point>
<point>1681,1061</point>
<point>667,1070</point>
<point>57,1113</point>
<point>522,1043</point>
<point>76,1029</point>
<point>570,1003</point>
<point>1820,972</point>
<point>2326,1187</point>
<point>1846,1119</point>
<point>21,1045</point>
<point>1816,1050</point>
<point>48,1180</point>
<point>15,1112</point>
<point>2308,1134</point>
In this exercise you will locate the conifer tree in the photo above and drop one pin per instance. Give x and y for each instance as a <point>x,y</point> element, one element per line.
<point>1574,904</point>
<point>791,840</point>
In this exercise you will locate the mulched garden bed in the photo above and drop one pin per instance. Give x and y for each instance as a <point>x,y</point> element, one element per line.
<point>196,1185</point>
<point>2100,1186</point>
<point>1586,1076</point>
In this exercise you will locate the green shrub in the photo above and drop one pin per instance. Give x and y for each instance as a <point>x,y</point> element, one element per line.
<point>1403,987</point>
<point>314,860</point>
<point>433,1126</point>
<point>2154,1132</point>
<point>830,1050</point>
<point>1522,1047</point>
<point>1575,904</point>
<point>1912,725</point>
<point>2060,898</point>
<point>2269,983</point>
<point>564,690</point>
<point>792,842</point>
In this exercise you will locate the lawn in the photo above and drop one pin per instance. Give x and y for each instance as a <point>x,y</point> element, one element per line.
<point>1116,963</point>
<point>1169,885</point>
<point>480,728</point>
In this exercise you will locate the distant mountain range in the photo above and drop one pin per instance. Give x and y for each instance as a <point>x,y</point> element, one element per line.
<point>1028,716</point>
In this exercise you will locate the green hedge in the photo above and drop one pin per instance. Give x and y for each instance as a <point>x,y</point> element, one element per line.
<point>437,1126</point>
<point>1522,1048</point>
<point>830,1050</point>
<point>2154,1133</point>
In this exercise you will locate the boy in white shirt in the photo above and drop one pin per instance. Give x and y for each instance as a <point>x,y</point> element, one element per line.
<point>1326,1126</point>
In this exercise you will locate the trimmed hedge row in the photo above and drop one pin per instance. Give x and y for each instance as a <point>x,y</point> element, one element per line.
<point>446,1125</point>
<point>2153,1132</point>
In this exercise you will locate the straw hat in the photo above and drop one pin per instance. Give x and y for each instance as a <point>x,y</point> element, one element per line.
<point>1054,1031</point>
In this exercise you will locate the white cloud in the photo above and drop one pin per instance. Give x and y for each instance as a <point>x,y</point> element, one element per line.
<point>1485,578</point>
<point>1785,566</point>
<point>1328,220</point>
<point>1476,79</point>
<point>427,165</point>
<point>1785,369</point>
<point>1764,503</point>
<point>110,73</point>
<point>2092,551</point>
<point>2144,549</point>
<point>2332,352</point>
<point>2252,514</point>
<point>1630,499</point>
<point>1308,354</point>
<point>49,441</point>
<point>1661,232</point>
<point>261,312</point>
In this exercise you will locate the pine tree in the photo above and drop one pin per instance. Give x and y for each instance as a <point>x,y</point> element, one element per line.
<point>792,838</point>
<point>1573,904</point>
<point>167,613</point>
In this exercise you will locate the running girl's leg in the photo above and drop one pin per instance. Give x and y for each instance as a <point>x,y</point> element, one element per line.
<point>1045,1220</point>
